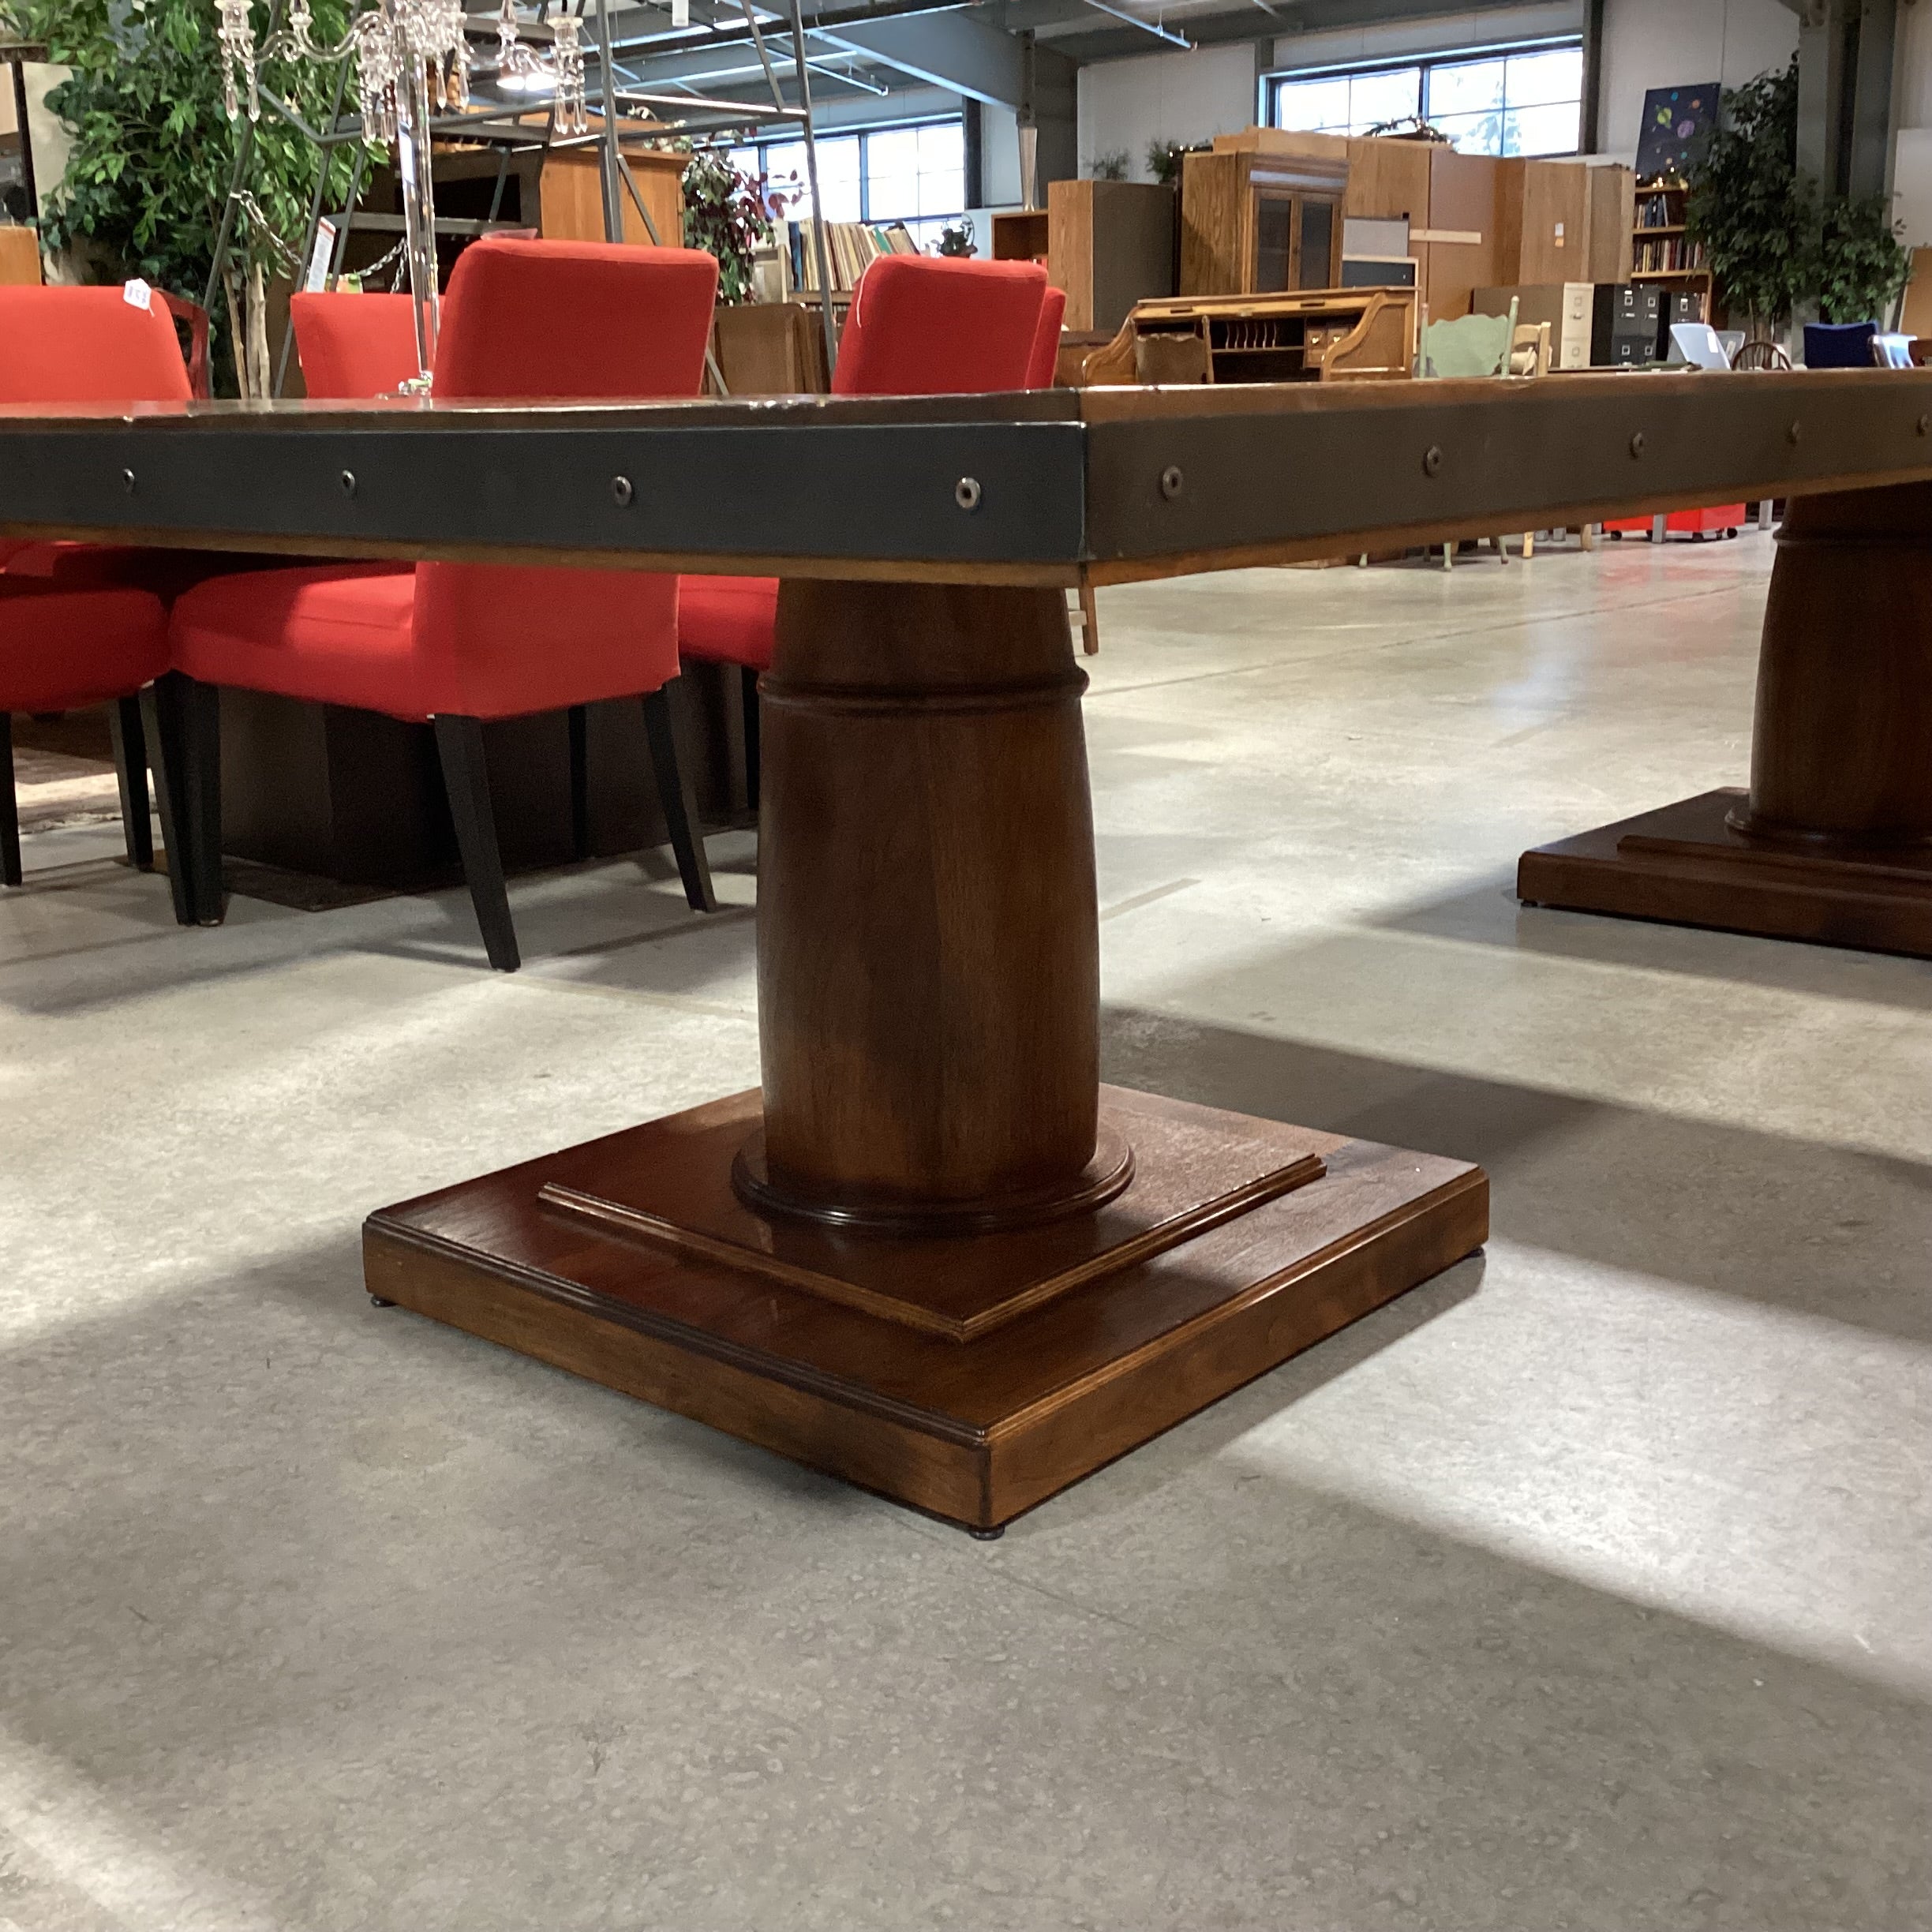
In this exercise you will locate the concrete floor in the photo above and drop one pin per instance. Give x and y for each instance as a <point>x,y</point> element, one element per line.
<point>1586,1586</point>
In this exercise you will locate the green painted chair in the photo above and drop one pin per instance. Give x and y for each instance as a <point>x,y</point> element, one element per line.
<point>1471,344</point>
<point>1477,345</point>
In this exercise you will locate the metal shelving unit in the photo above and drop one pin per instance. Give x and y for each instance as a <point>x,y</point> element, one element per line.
<point>507,126</point>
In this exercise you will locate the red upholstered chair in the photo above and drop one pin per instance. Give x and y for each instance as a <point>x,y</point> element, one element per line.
<point>79,624</point>
<point>63,649</point>
<point>354,346</point>
<point>924,325</point>
<point>1046,357</point>
<point>1040,373</point>
<point>82,345</point>
<point>919,325</point>
<point>455,644</point>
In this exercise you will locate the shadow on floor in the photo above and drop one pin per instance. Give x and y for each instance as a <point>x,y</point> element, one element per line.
<point>1827,1231</point>
<point>1488,913</point>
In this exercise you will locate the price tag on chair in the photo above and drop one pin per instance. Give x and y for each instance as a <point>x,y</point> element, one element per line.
<point>316,282</point>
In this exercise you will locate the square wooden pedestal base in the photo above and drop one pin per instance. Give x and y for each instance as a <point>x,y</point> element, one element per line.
<point>1239,1243</point>
<point>1685,867</point>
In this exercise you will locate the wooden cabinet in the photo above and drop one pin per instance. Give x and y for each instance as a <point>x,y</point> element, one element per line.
<point>770,348</point>
<point>1613,205</point>
<point>1260,222</point>
<point>1474,221</point>
<point>19,254</point>
<point>573,195</point>
<point>1388,180</point>
<point>1108,245</point>
<point>1461,231</point>
<point>1542,215</point>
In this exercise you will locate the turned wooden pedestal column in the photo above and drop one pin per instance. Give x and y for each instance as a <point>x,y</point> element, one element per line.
<point>934,1256</point>
<point>927,928</point>
<point>1833,840</point>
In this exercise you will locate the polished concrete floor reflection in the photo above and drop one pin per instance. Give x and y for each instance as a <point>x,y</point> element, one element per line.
<point>1585,1587</point>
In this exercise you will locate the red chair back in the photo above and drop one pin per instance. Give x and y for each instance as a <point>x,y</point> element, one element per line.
<point>87,345</point>
<point>1047,341</point>
<point>924,325</point>
<point>577,319</point>
<point>354,346</point>
<point>584,319</point>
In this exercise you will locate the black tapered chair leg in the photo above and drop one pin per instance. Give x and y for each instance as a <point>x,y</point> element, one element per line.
<point>579,717</point>
<point>9,811</point>
<point>201,775</point>
<point>465,778</point>
<point>161,706</point>
<point>130,757</point>
<point>680,805</point>
<point>751,736</point>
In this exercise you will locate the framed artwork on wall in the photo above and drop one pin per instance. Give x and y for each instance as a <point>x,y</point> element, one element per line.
<point>1675,119</point>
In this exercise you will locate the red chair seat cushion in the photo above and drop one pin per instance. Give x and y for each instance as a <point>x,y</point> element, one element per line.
<point>334,633</point>
<point>728,619</point>
<point>60,649</point>
<point>473,639</point>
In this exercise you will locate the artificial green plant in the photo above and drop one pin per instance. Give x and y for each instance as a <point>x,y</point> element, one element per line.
<point>725,216</point>
<point>1773,239</point>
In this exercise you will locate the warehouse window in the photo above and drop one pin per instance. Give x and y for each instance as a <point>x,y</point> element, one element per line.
<point>1525,100</point>
<point>915,173</point>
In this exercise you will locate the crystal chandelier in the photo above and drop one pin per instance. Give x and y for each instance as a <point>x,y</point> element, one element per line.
<point>519,70</point>
<point>412,61</point>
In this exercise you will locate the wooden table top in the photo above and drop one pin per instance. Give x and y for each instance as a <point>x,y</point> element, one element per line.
<point>1027,488</point>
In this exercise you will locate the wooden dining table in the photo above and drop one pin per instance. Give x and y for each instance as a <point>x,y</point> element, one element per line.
<point>933,1253</point>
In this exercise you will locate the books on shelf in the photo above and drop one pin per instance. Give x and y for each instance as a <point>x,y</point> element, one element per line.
<point>851,249</point>
<point>1659,244</point>
<point>1676,254</point>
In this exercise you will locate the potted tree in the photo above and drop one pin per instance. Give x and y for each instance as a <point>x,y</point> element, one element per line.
<point>1749,206</point>
<point>1772,237</point>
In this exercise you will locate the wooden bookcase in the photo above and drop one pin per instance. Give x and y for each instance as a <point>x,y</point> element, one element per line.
<point>1661,251</point>
<point>1020,235</point>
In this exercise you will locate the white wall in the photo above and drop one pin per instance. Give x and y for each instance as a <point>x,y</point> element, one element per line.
<point>51,141</point>
<point>1912,114</point>
<point>1912,68</point>
<point>1655,43</point>
<point>1187,97</point>
<point>999,155</point>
